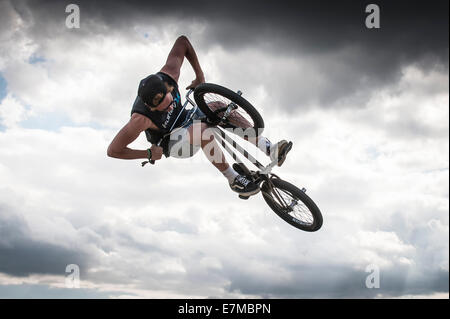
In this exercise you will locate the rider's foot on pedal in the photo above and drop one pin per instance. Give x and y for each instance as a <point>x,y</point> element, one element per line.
<point>279,151</point>
<point>244,186</point>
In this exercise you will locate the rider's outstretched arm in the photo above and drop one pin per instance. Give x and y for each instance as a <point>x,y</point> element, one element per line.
<point>119,145</point>
<point>182,48</point>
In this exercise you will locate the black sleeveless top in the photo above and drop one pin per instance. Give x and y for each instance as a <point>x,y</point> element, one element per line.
<point>163,120</point>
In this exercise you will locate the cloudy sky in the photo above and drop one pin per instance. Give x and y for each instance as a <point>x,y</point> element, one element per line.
<point>366,109</point>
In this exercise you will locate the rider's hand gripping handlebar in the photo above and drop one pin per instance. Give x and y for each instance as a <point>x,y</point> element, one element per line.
<point>160,140</point>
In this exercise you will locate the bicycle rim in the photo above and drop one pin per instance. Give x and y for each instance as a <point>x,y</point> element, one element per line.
<point>292,205</point>
<point>218,104</point>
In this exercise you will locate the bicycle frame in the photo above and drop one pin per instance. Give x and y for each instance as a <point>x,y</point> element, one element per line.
<point>259,176</point>
<point>222,137</point>
<point>262,175</point>
<point>265,170</point>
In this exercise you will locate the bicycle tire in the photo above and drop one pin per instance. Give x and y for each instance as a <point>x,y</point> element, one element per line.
<point>300,195</point>
<point>214,118</point>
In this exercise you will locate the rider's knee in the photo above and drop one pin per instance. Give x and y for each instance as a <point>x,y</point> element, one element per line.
<point>207,133</point>
<point>199,134</point>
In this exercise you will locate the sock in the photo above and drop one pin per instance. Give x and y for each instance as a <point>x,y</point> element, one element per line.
<point>264,145</point>
<point>230,174</point>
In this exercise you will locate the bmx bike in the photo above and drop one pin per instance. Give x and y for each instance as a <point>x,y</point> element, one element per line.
<point>227,111</point>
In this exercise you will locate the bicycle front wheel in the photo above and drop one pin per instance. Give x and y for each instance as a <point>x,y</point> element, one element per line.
<point>292,205</point>
<point>215,100</point>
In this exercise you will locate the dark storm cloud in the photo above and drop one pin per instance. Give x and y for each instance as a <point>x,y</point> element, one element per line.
<point>27,291</point>
<point>409,29</point>
<point>353,61</point>
<point>21,256</point>
<point>324,25</point>
<point>333,281</point>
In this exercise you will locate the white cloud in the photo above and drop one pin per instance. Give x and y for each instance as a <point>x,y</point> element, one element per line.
<point>379,173</point>
<point>11,112</point>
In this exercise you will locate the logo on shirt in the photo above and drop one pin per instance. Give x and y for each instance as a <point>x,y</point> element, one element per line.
<point>169,114</point>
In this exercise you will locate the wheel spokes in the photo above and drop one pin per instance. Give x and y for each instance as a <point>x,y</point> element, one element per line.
<point>218,104</point>
<point>294,207</point>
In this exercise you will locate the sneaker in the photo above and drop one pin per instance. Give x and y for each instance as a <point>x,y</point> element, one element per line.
<point>239,169</point>
<point>244,186</point>
<point>279,151</point>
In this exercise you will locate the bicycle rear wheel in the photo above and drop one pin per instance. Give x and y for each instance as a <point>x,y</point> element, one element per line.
<point>214,100</point>
<point>292,205</point>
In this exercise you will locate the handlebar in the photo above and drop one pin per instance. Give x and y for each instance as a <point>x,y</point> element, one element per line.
<point>188,100</point>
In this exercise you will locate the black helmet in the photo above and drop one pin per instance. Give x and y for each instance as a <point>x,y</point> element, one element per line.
<point>150,87</point>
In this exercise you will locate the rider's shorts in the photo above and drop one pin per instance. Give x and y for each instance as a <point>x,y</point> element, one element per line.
<point>179,144</point>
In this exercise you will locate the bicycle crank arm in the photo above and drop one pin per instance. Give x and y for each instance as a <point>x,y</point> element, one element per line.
<point>231,107</point>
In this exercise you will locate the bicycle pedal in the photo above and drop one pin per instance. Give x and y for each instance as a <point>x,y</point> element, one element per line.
<point>238,169</point>
<point>289,146</point>
<point>286,150</point>
<point>244,197</point>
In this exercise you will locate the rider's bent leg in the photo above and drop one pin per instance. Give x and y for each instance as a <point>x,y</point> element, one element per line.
<point>260,142</point>
<point>201,134</point>
<point>199,137</point>
<point>276,151</point>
